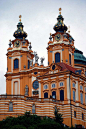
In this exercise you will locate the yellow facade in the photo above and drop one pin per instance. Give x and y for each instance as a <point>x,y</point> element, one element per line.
<point>32,86</point>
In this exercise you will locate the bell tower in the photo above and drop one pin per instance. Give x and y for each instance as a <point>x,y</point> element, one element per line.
<point>61,45</point>
<point>19,55</point>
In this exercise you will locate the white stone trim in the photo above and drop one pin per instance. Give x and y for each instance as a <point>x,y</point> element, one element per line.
<point>39,90</point>
<point>12,82</point>
<point>68,96</point>
<point>53,52</point>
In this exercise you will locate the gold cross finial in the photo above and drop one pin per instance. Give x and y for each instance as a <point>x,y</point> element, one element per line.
<point>60,11</point>
<point>20,17</point>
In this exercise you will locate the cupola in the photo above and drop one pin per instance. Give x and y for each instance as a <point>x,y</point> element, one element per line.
<point>20,33</point>
<point>60,26</point>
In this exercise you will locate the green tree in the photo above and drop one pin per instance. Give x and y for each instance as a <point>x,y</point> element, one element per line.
<point>58,116</point>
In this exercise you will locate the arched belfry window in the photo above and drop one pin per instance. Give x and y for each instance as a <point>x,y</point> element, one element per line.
<point>45,95</point>
<point>33,108</point>
<point>57,57</point>
<point>28,64</point>
<point>16,64</point>
<point>70,59</point>
<point>61,95</point>
<point>10,106</point>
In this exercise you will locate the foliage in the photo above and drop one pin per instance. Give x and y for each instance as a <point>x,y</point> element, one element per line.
<point>58,116</point>
<point>29,121</point>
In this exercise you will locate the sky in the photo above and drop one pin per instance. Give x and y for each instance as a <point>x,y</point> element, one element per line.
<point>38,18</point>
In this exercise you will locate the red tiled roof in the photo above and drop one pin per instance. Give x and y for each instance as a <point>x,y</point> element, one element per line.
<point>67,67</point>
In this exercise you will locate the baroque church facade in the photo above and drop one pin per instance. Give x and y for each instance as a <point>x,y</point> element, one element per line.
<point>43,89</point>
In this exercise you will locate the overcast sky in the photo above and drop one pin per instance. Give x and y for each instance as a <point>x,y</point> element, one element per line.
<point>38,18</point>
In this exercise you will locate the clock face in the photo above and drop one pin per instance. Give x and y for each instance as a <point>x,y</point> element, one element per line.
<point>57,37</point>
<point>17,43</point>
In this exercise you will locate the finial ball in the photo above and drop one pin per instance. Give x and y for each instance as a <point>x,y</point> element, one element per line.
<point>20,16</point>
<point>60,9</point>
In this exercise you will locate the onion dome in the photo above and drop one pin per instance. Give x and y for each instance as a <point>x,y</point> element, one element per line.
<point>19,33</point>
<point>60,26</point>
<point>79,58</point>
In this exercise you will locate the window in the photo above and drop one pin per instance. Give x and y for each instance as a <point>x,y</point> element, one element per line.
<point>45,95</point>
<point>16,64</point>
<point>53,85</point>
<point>61,83</point>
<point>45,86</point>
<point>28,64</point>
<point>57,57</point>
<point>75,114</point>
<point>82,116</point>
<point>70,59</point>
<point>33,108</point>
<point>35,84</point>
<point>53,67</point>
<point>61,95</point>
<point>10,106</point>
<point>74,85</point>
<point>85,89</point>
<point>85,73</point>
<point>16,88</point>
<point>73,95</point>
<point>85,98</point>
<point>54,94</point>
<point>81,98</point>
<point>81,88</point>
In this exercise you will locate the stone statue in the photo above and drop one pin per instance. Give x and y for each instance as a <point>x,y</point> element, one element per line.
<point>36,57</point>
<point>42,59</point>
<point>31,61</point>
<point>26,90</point>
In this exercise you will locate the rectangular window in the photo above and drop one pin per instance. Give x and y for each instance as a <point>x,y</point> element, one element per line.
<point>81,88</point>
<point>10,106</point>
<point>75,114</point>
<point>74,85</point>
<point>82,116</point>
<point>81,98</point>
<point>85,98</point>
<point>73,95</point>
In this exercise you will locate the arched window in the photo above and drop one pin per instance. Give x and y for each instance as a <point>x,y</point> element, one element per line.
<point>28,64</point>
<point>73,95</point>
<point>33,108</point>
<point>81,98</point>
<point>61,95</point>
<point>16,63</point>
<point>35,84</point>
<point>61,84</point>
<point>10,106</point>
<point>54,94</point>
<point>70,59</point>
<point>57,57</point>
<point>45,87</point>
<point>53,85</point>
<point>45,95</point>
